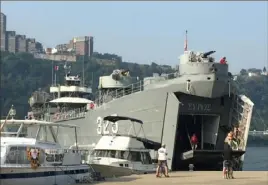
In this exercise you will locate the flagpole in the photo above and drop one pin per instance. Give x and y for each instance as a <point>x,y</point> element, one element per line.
<point>55,78</point>
<point>186,41</point>
<point>52,71</point>
<point>83,70</point>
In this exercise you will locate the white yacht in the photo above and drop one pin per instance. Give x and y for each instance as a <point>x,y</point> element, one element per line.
<point>31,154</point>
<point>121,155</point>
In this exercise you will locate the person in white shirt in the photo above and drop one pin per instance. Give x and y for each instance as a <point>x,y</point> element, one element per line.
<point>162,160</point>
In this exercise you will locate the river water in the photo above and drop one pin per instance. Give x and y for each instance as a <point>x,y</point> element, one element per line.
<point>256,159</point>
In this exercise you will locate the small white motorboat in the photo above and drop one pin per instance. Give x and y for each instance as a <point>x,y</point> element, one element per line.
<point>121,155</point>
<point>31,154</point>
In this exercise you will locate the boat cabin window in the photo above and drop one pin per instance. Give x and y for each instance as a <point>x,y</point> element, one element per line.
<point>146,158</point>
<point>54,155</point>
<point>135,156</point>
<point>122,154</point>
<point>51,158</point>
<point>18,155</point>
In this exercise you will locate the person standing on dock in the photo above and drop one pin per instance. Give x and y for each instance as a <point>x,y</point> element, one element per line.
<point>227,156</point>
<point>162,160</point>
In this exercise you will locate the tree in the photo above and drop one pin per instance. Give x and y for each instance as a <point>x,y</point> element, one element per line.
<point>243,72</point>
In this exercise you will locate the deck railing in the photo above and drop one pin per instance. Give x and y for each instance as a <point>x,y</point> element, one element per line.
<point>67,115</point>
<point>130,89</point>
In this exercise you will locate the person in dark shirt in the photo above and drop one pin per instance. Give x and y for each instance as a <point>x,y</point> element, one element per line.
<point>227,159</point>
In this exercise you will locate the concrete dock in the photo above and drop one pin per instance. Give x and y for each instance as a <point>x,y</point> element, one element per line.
<point>199,178</point>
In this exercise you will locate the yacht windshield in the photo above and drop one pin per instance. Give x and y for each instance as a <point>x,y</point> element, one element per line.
<point>35,131</point>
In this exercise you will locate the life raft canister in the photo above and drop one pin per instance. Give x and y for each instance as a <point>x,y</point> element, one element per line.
<point>56,116</point>
<point>91,105</point>
<point>33,155</point>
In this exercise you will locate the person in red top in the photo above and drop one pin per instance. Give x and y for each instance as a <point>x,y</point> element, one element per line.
<point>223,61</point>
<point>194,141</point>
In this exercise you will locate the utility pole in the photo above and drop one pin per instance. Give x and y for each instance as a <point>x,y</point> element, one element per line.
<point>52,72</point>
<point>83,70</point>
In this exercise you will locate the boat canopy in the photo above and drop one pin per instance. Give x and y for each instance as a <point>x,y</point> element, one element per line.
<point>71,100</point>
<point>121,118</point>
<point>148,144</point>
<point>119,143</point>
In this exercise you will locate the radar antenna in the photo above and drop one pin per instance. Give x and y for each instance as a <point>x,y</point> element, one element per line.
<point>67,69</point>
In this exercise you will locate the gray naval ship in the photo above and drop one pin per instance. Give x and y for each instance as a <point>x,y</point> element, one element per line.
<point>200,98</point>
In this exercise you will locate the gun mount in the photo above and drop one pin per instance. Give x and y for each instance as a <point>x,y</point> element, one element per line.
<point>118,74</point>
<point>206,54</point>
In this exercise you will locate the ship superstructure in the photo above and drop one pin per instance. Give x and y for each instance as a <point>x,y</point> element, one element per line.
<point>67,101</point>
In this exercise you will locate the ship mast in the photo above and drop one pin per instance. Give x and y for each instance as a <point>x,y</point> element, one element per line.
<point>186,41</point>
<point>67,69</point>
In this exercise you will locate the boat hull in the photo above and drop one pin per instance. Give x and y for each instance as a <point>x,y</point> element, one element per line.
<point>60,175</point>
<point>109,171</point>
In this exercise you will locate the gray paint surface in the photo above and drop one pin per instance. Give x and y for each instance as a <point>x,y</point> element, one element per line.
<point>170,126</point>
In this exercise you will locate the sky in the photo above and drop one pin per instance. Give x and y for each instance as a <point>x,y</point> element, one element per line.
<point>145,32</point>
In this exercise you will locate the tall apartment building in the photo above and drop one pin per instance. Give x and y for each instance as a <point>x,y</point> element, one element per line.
<point>34,47</point>
<point>91,44</point>
<point>3,30</point>
<point>82,45</point>
<point>21,43</point>
<point>39,47</point>
<point>31,45</point>
<point>11,41</point>
<point>3,23</point>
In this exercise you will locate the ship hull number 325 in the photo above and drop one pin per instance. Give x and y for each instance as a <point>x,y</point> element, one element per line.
<point>106,127</point>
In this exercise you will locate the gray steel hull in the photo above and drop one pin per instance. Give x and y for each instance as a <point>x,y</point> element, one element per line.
<point>149,106</point>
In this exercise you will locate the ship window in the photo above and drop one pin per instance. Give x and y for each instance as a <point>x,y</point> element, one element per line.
<point>54,157</point>
<point>101,153</point>
<point>134,156</point>
<point>112,153</point>
<point>50,157</point>
<point>122,154</point>
<point>105,153</point>
<point>146,158</point>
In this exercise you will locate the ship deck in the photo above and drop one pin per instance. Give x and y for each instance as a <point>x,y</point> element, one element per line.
<point>198,178</point>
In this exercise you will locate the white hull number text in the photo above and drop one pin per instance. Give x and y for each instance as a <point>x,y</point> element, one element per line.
<point>106,127</point>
